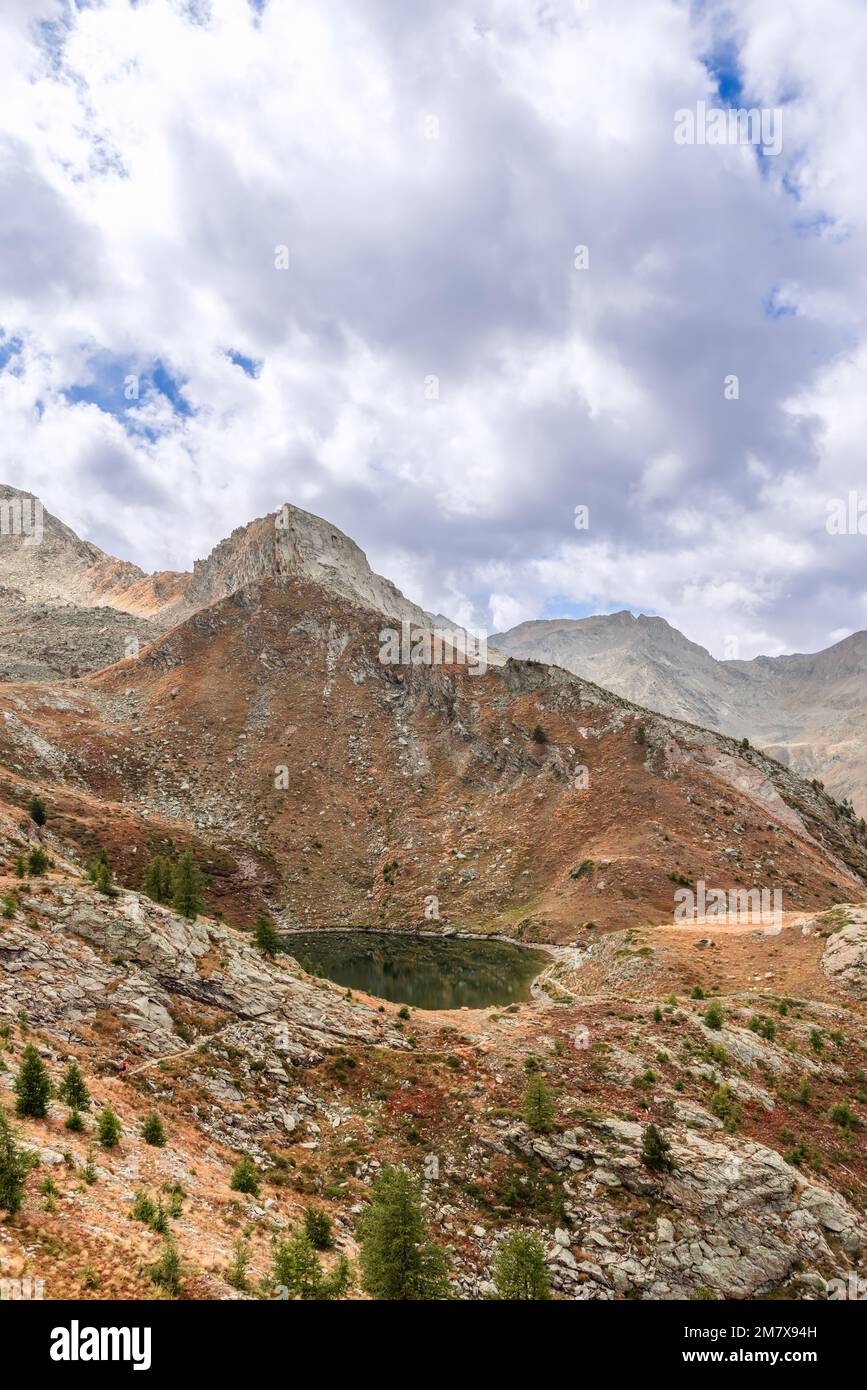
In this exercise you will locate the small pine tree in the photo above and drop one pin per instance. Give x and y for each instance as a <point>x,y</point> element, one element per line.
<point>20,867</point>
<point>108,1128</point>
<point>166,1272</point>
<point>32,1086</point>
<point>143,1209</point>
<point>538,1105</point>
<point>656,1151</point>
<point>298,1269</point>
<point>236,1275</point>
<point>317,1226</point>
<point>398,1261</point>
<point>72,1089</point>
<point>267,937</point>
<point>187,884</point>
<point>245,1178</point>
<point>37,862</point>
<point>14,1167</point>
<point>74,1122</point>
<point>538,735</point>
<point>518,1271</point>
<point>714,1016</point>
<point>94,865</point>
<point>10,905</point>
<point>36,810</point>
<point>157,880</point>
<point>152,1131</point>
<point>103,881</point>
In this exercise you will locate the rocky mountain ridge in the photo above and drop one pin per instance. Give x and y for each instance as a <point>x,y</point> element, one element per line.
<point>808,711</point>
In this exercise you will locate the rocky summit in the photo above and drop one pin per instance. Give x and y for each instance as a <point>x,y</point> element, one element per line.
<point>194,767</point>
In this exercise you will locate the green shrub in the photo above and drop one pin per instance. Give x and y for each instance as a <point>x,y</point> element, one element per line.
<point>72,1088</point>
<point>166,1272</point>
<point>518,1272</point>
<point>108,1127</point>
<point>33,1087</point>
<point>538,1109</point>
<point>714,1016</point>
<point>656,1151</point>
<point>840,1114</point>
<point>724,1106</point>
<point>298,1270</point>
<point>765,1027</point>
<point>236,1275</point>
<point>14,1167</point>
<point>143,1208</point>
<point>152,1131</point>
<point>187,887</point>
<point>398,1261</point>
<point>267,936</point>
<point>37,862</point>
<point>318,1227</point>
<point>245,1177</point>
<point>157,879</point>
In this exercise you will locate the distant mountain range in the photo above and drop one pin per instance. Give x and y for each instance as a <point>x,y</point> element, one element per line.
<point>808,711</point>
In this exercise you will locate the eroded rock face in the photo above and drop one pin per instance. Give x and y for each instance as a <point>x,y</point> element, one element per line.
<point>142,961</point>
<point>845,957</point>
<point>738,1221</point>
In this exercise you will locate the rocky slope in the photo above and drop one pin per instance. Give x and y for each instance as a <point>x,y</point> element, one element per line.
<point>766,1196</point>
<point>340,789</point>
<point>806,710</point>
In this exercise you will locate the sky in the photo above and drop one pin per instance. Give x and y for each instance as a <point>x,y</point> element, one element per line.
<point>330,252</point>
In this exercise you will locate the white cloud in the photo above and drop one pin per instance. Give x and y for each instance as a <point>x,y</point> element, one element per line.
<point>431,173</point>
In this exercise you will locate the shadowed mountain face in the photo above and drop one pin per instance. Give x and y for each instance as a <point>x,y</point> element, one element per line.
<point>809,711</point>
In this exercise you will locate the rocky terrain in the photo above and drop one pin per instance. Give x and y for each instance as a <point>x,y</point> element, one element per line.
<point>808,711</point>
<point>765,1197</point>
<point>310,779</point>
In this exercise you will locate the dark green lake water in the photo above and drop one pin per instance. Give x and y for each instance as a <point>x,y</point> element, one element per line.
<point>427,972</point>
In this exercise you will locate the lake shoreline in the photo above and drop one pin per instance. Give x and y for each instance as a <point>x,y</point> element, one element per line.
<point>339,971</point>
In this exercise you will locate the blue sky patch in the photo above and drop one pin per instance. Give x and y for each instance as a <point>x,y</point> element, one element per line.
<point>119,384</point>
<point>775,308</point>
<point>725,70</point>
<point>9,349</point>
<point>250,366</point>
<point>558,606</point>
<point>169,386</point>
